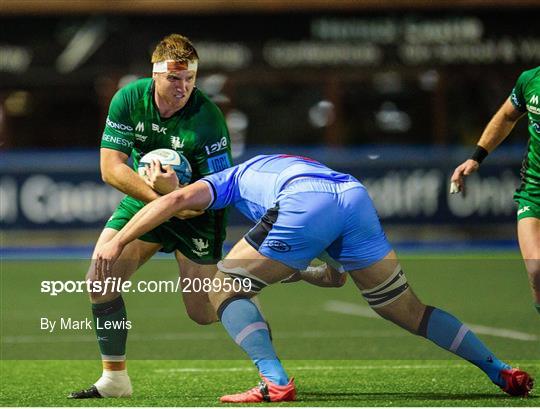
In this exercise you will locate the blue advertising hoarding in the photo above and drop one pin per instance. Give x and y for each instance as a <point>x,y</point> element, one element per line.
<point>64,190</point>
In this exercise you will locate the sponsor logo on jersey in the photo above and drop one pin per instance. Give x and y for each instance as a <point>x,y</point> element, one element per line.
<point>532,108</point>
<point>218,163</point>
<point>140,137</point>
<point>201,245</point>
<point>216,147</point>
<point>176,143</point>
<point>140,127</point>
<point>279,246</point>
<point>159,129</point>
<point>117,140</point>
<point>515,100</point>
<point>536,126</point>
<point>117,125</point>
<point>523,210</point>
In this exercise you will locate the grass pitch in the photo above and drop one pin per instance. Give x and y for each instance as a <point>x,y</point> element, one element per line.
<point>339,353</point>
<point>319,383</point>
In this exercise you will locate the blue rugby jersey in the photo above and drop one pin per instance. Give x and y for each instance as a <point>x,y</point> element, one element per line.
<point>253,186</point>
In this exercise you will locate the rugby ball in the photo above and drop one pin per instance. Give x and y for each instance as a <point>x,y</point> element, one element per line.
<point>176,160</point>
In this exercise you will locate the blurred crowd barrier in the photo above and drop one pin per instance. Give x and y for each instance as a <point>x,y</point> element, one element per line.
<point>410,186</point>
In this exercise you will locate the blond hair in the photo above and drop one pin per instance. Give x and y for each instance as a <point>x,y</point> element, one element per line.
<point>175,47</point>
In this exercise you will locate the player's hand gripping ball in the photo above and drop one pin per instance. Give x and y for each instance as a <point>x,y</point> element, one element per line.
<point>177,161</point>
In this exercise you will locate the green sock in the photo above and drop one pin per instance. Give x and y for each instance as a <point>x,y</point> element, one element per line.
<point>111,326</point>
<point>537,307</point>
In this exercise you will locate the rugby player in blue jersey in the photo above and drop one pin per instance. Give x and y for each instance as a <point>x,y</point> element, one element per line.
<point>301,209</point>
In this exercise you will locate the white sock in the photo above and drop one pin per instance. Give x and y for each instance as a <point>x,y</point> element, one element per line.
<point>114,384</point>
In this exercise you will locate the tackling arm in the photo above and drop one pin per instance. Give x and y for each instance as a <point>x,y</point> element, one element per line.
<point>196,196</point>
<point>320,273</point>
<point>323,276</point>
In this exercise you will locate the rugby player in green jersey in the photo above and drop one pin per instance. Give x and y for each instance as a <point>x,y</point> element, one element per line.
<point>165,111</point>
<point>523,99</point>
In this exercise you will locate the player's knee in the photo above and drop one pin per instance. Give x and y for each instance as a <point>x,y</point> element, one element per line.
<point>407,315</point>
<point>534,279</point>
<point>236,282</point>
<point>200,311</point>
<point>533,270</point>
<point>393,300</point>
<point>203,320</point>
<point>533,265</point>
<point>96,296</point>
<point>90,278</point>
<point>239,280</point>
<point>97,291</point>
<point>91,272</point>
<point>202,316</point>
<point>217,298</point>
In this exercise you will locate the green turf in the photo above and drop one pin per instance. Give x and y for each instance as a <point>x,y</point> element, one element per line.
<point>338,358</point>
<point>319,383</point>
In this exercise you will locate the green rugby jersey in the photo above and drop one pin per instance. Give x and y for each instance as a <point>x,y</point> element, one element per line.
<point>526,98</point>
<point>198,131</point>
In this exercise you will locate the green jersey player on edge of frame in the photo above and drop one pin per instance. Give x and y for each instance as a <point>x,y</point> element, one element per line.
<point>165,111</point>
<point>523,99</point>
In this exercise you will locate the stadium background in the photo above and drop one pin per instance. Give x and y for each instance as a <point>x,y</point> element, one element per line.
<point>394,92</point>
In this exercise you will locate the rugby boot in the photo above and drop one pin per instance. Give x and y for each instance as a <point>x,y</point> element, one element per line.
<point>105,387</point>
<point>90,393</point>
<point>517,382</point>
<point>266,391</point>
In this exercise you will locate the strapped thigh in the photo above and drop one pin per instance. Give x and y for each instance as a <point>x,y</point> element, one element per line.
<point>240,273</point>
<point>388,291</point>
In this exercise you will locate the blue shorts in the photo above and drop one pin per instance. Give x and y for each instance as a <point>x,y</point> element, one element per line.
<point>312,215</point>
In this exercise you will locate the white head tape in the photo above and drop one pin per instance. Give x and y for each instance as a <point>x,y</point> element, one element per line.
<point>171,65</point>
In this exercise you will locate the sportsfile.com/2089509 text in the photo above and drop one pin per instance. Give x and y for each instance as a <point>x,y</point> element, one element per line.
<point>118,285</point>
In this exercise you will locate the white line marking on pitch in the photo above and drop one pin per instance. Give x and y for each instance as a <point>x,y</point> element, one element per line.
<point>348,308</point>
<point>503,333</point>
<point>195,336</point>
<point>340,307</point>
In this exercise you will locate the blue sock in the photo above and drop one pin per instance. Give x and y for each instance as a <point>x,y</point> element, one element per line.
<point>246,326</point>
<point>449,333</point>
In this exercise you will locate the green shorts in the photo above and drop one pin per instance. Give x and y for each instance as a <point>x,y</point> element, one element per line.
<point>199,239</point>
<point>528,204</point>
